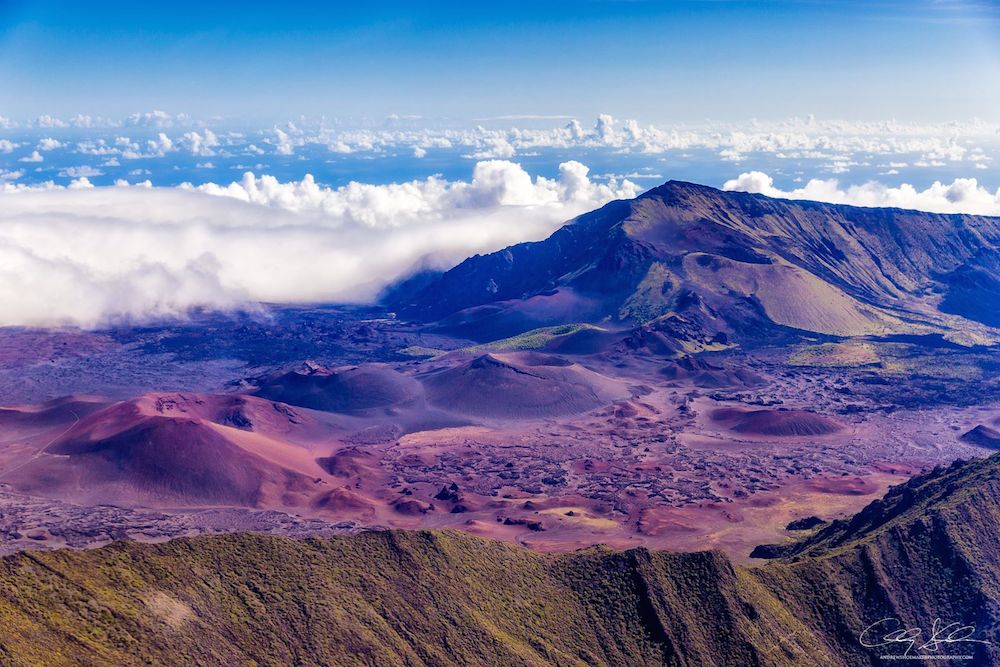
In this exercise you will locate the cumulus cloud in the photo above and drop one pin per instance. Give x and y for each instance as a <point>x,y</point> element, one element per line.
<point>49,144</point>
<point>283,142</point>
<point>963,195</point>
<point>83,171</point>
<point>84,255</point>
<point>156,119</point>
<point>160,145</point>
<point>840,145</point>
<point>795,138</point>
<point>201,144</point>
<point>48,121</point>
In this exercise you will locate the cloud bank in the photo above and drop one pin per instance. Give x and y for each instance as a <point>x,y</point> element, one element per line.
<point>87,256</point>
<point>963,195</point>
<point>833,146</point>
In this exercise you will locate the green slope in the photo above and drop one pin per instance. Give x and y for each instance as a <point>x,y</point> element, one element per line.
<point>444,598</point>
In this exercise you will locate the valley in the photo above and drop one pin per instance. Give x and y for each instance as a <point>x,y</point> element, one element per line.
<point>548,449</point>
<point>444,597</point>
<point>689,369</point>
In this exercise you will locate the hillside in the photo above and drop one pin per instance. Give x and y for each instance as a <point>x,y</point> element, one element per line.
<point>739,263</point>
<point>442,598</point>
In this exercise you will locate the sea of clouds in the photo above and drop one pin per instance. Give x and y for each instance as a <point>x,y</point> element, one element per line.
<point>177,148</point>
<point>105,221</point>
<point>90,256</point>
<point>962,195</point>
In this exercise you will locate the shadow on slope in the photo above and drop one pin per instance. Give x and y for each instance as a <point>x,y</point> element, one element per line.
<point>520,386</point>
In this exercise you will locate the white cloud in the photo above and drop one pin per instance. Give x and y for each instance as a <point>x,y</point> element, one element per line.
<point>283,143</point>
<point>82,183</point>
<point>495,147</point>
<point>7,146</point>
<point>159,146</point>
<point>963,195</point>
<point>88,255</point>
<point>49,144</point>
<point>605,129</point>
<point>82,172</point>
<point>156,119</point>
<point>495,183</point>
<point>96,147</point>
<point>34,157</point>
<point>796,138</point>
<point>201,144</point>
<point>48,121</point>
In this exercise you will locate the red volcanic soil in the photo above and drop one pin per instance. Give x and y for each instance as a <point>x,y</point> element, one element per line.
<point>982,436</point>
<point>412,507</point>
<point>850,485</point>
<point>167,456</point>
<point>351,390</point>
<point>344,502</point>
<point>348,463</point>
<point>781,423</point>
<point>132,453</point>
<point>246,413</point>
<point>520,387</point>
<point>60,411</point>
<point>708,376</point>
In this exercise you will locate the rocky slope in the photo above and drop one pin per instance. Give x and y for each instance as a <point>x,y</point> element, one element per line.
<point>737,263</point>
<point>439,598</point>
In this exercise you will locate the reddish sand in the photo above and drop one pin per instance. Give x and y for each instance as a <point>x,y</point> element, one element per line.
<point>525,446</point>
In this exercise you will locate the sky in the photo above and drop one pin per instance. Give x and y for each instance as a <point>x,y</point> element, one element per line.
<point>160,157</point>
<point>921,60</point>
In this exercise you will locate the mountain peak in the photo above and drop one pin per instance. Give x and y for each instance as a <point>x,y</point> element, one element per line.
<point>748,263</point>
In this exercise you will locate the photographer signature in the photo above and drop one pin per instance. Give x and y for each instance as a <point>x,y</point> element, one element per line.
<point>891,632</point>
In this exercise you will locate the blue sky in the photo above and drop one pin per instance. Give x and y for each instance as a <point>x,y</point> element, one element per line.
<point>654,61</point>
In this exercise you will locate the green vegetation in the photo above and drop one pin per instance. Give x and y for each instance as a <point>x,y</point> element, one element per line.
<point>653,295</point>
<point>536,339</point>
<point>421,351</point>
<point>849,354</point>
<point>443,598</point>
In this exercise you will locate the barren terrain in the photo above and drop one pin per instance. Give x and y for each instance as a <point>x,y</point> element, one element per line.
<point>551,450</point>
<point>688,369</point>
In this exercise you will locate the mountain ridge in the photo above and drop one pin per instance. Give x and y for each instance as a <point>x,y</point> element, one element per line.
<point>681,249</point>
<point>447,598</point>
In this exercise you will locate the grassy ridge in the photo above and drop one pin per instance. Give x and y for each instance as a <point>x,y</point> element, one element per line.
<point>446,598</point>
<point>535,339</point>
